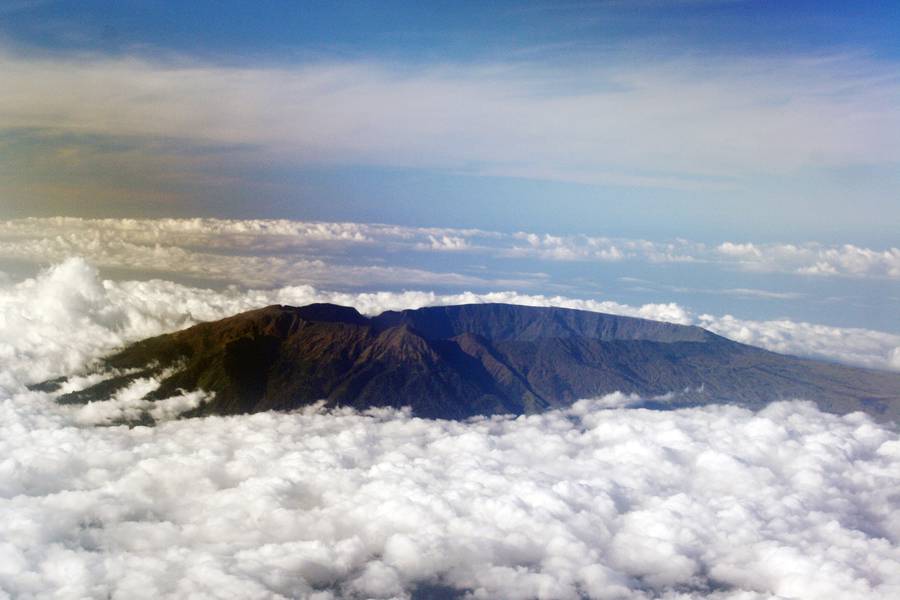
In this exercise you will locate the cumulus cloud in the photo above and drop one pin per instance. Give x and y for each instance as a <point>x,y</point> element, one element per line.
<point>444,242</point>
<point>128,405</point>
<point>739,250</point>
<point>854,346</point>
<point>596,501</point>
<point>585,503</point>
<point>279,252</point>
<point>256,253</point>
<point>553,247</point>
<point>815,259</point>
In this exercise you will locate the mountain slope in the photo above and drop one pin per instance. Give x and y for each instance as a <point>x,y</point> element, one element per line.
<point>460,361</point>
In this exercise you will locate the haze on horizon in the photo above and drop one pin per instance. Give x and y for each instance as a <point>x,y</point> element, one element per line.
<point>708,120</point>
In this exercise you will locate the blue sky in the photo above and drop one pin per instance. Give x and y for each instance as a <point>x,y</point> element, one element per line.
<point>710,121</point>
<point>464,30</point>
<point>831,67</point>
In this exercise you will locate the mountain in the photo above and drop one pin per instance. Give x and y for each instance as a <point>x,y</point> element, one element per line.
<point>479,359</point>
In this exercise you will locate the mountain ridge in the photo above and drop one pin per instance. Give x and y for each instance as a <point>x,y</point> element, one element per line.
<point>475,359</point>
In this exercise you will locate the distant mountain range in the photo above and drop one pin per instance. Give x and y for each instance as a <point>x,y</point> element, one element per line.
<point>459,361</point>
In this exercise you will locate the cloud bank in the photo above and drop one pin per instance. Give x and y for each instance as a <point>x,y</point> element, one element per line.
<point>278,252</point>
<point>596,501</point>
<point>587,503</point>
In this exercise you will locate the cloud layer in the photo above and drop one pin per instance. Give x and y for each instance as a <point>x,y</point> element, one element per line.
<point>277,252</point>
<point>597,501</point>
<point>587,503</point>
<point>683,122</point>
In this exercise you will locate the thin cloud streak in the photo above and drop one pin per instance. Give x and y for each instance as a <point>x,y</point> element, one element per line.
<point>678,122</point>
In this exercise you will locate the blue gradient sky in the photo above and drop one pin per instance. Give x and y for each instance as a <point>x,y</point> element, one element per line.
<point>712,121</point>
<point>458,31</point>
<point>60,164</point>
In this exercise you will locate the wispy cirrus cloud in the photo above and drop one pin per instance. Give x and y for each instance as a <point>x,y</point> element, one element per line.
<point>682,122</point>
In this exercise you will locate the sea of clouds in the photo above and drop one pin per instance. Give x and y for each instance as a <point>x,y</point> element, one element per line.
<point>596,501</point>
<point>266,252</point>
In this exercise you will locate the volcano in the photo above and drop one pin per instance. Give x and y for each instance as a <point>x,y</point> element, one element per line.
<point>456,362</point>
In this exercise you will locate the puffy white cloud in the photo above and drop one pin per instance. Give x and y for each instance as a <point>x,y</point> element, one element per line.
<point>739,250</point>
<point>444,242</point>
<point>279,252</point>
<point>128,405</point>
<point>815,259</point>
<point>596,501</point>
<point>810,258</point>
<point>855,346</point>
<point>566,248</point>
<point>258,253</point>
<point>589,502</point>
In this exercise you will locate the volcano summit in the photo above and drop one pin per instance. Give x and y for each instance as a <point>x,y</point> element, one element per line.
<point>480,359</point>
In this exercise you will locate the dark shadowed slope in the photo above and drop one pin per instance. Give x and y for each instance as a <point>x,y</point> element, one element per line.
<point>459,361</point>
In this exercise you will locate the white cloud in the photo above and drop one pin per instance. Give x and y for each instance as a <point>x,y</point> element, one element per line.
<point>278,252</point>
<point>129,404</point>
<point>254,253</point>
<point>688,122</point>
<point>738,250</point>
<point>445,242</point>
<point>809,258</point>
<point>815,259</point>
<point>567,248</point>
<point>894,358</point>
<point>863,347</point>
<point>595,501</point>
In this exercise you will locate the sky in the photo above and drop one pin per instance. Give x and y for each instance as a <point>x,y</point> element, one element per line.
<point>702,119</point>
<point>760,141</point>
